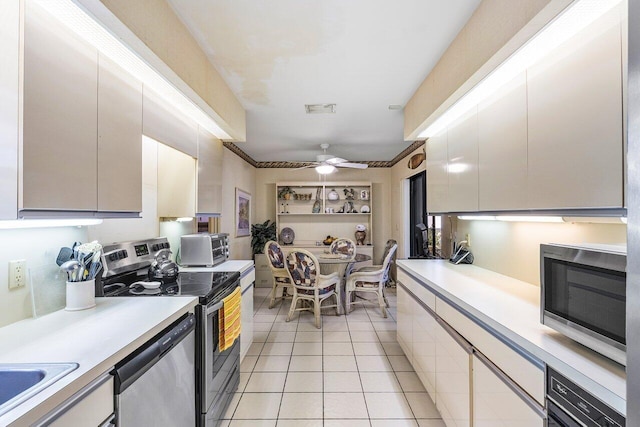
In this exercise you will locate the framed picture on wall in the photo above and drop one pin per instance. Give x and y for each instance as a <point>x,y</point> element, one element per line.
<point>243,213</point>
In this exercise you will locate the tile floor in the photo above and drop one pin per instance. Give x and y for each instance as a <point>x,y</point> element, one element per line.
<point>351,373</point>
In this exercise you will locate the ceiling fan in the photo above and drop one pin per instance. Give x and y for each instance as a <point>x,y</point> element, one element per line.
<point>326,163</point>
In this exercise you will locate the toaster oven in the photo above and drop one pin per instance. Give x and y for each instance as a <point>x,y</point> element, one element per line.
<point>204,249</point>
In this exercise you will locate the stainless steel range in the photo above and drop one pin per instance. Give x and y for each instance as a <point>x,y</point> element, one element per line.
<point>217,373</point>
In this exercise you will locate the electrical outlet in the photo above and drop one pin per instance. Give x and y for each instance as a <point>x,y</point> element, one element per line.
<point>17,273</point>
<point>468,239</point>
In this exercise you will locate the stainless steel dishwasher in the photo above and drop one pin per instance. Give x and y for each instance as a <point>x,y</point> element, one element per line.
<point>155,386</point>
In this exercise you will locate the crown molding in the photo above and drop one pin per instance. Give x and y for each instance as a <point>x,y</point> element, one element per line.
<point>294,165</point>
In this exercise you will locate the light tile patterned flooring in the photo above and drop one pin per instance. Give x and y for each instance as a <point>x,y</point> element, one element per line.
<point>350,373</point>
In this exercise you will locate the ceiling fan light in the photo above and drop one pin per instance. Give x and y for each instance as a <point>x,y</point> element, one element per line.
<point>325,169</point>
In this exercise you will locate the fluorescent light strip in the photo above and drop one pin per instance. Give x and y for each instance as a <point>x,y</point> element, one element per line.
<point>46,223</point>
<point>576,18</point>
<point>534,218</point>
<point>77,20</point>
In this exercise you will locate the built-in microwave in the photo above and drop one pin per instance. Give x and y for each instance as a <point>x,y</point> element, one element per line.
<point>204,249</point>
<point>584,294</point>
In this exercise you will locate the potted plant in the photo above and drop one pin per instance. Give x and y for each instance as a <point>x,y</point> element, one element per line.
<point>261,234</point>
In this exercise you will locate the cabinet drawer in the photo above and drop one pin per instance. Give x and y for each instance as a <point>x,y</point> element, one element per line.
<point>262,262</point>
<point>418,290</point>
<point>91,406</point>
<point>496,402</point>
<point>522,371</point>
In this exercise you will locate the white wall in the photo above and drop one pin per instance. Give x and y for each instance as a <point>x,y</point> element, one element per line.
<point>237,173</point>
<point>513,248</point>
<point>400,172</point>
<point>39,247</point>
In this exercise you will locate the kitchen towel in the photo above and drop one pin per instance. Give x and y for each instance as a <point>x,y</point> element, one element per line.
<point>229,320</point>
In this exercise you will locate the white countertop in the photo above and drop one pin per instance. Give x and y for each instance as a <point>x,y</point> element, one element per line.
<point>512,308</point>
<point>96,339</point>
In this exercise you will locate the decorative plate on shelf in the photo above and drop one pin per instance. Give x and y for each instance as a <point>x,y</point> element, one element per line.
<point>287,235</point>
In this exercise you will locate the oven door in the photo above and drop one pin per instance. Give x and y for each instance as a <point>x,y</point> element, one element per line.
<point>586,301</point>
<point>220,371</point>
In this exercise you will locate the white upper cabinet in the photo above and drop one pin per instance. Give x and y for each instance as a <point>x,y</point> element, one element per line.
<point>575,153</point>
<point>81,125</point>
<point>176,183</point>
<point>502,148</point>
<point>9,105</point>
<point>210,152</point>
<point>437,174</point>
<point>119,139</point>
<point>463,164</point>
<point>162,122</point>
<point>60,117</point>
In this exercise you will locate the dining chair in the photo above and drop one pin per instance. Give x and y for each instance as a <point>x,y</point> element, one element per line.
<point>343,246</point>
<point>387,248</point>
<point>281,278</point>
<point>371,280</point>
<point>311,286</point>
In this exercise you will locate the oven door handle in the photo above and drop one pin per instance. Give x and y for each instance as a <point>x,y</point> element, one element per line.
<point>215,307</point>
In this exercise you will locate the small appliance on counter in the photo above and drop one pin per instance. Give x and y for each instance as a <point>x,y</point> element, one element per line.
<point>204,249</point>
<point>584,293</point>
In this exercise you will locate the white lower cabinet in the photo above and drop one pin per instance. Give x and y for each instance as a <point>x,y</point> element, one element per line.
<point>91,406</point>
<point>246,313</point>
<point>499,402</point>
<point>424,347</point>
<point>405,323</point>
<point>453,376</point>
<point>446,350</point>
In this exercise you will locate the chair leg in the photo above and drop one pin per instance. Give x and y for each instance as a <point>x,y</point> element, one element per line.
<point>316,311</point>
<point>383,306</point>
<point>347,302</point>
<point>386,301</point>
<point>294,302</point>
<point>273,296</point>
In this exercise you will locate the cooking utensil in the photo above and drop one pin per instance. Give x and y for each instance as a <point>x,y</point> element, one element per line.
<point>64,255</point>
<point>70,267</point>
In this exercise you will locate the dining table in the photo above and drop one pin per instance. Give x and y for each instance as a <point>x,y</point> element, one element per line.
<point>341,264</point>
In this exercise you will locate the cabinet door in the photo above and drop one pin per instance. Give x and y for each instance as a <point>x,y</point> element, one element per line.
<point>462,164</point>
<point>405,322</point>
<point>246,310</point>
<point>462,151</point>
<point>119,139</point>
<point>453,377</point>
<point>60,117</point>
<point>164,123</point>
<point>424,347</point>
<point>209,173</point>
<point>176,183</point>
<point>437,174</point>
<point>9,104</point>
<point>502,149</point>
<point>496,402</point>
<point>575,150</point>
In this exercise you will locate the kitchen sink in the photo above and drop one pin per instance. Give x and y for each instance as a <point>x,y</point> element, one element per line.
<point>21,381</point>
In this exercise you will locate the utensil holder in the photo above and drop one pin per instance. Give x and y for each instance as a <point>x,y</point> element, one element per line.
<point>81,295</point>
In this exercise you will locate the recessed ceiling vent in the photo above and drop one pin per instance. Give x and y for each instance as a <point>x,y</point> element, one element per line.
<point>320,108</point>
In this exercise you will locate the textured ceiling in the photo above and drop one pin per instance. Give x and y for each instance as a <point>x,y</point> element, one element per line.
<point>362,55</point>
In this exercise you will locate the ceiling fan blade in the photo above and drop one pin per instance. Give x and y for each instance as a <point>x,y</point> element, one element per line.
<point>352,165</point>
<point>335,161</point>
<point>307,166</point>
